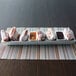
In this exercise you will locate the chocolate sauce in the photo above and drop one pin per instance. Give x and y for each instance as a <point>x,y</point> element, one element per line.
<point>60,35</point>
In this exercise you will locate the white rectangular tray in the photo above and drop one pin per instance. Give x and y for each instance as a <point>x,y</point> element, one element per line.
<point>46,42</point>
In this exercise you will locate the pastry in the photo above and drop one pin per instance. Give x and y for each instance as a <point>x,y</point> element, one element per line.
<point>50,34</point>
<point>4,36</point>
<point>24,36</point>
<point>68,34</point>
<point>41,36</point>
<point>13,34</point>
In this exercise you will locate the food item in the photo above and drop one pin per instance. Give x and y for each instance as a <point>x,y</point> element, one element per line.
<point>13,34</point>
<point>50,34</point>
<point>24,36</point>
<point>4,36</point>
<point>68,34</point>
<point>33,35</point>
<point>60,35</point>
<point>41,36</point>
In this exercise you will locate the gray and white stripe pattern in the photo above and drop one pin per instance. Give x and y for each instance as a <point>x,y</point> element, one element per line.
<point>48,52</point>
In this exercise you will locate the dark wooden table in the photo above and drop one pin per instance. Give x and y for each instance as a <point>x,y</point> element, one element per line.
<point>37,68</point>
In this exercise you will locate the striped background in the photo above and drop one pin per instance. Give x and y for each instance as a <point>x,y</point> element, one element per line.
<point>38,52</point>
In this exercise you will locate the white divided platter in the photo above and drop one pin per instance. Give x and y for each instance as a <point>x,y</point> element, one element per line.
<point>46,42</point>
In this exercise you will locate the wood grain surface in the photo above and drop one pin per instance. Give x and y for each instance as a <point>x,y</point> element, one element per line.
<point>37,67</point>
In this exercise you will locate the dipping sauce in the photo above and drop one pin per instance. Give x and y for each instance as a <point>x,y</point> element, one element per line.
<point>33,36</point>
<point>60,35</point>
